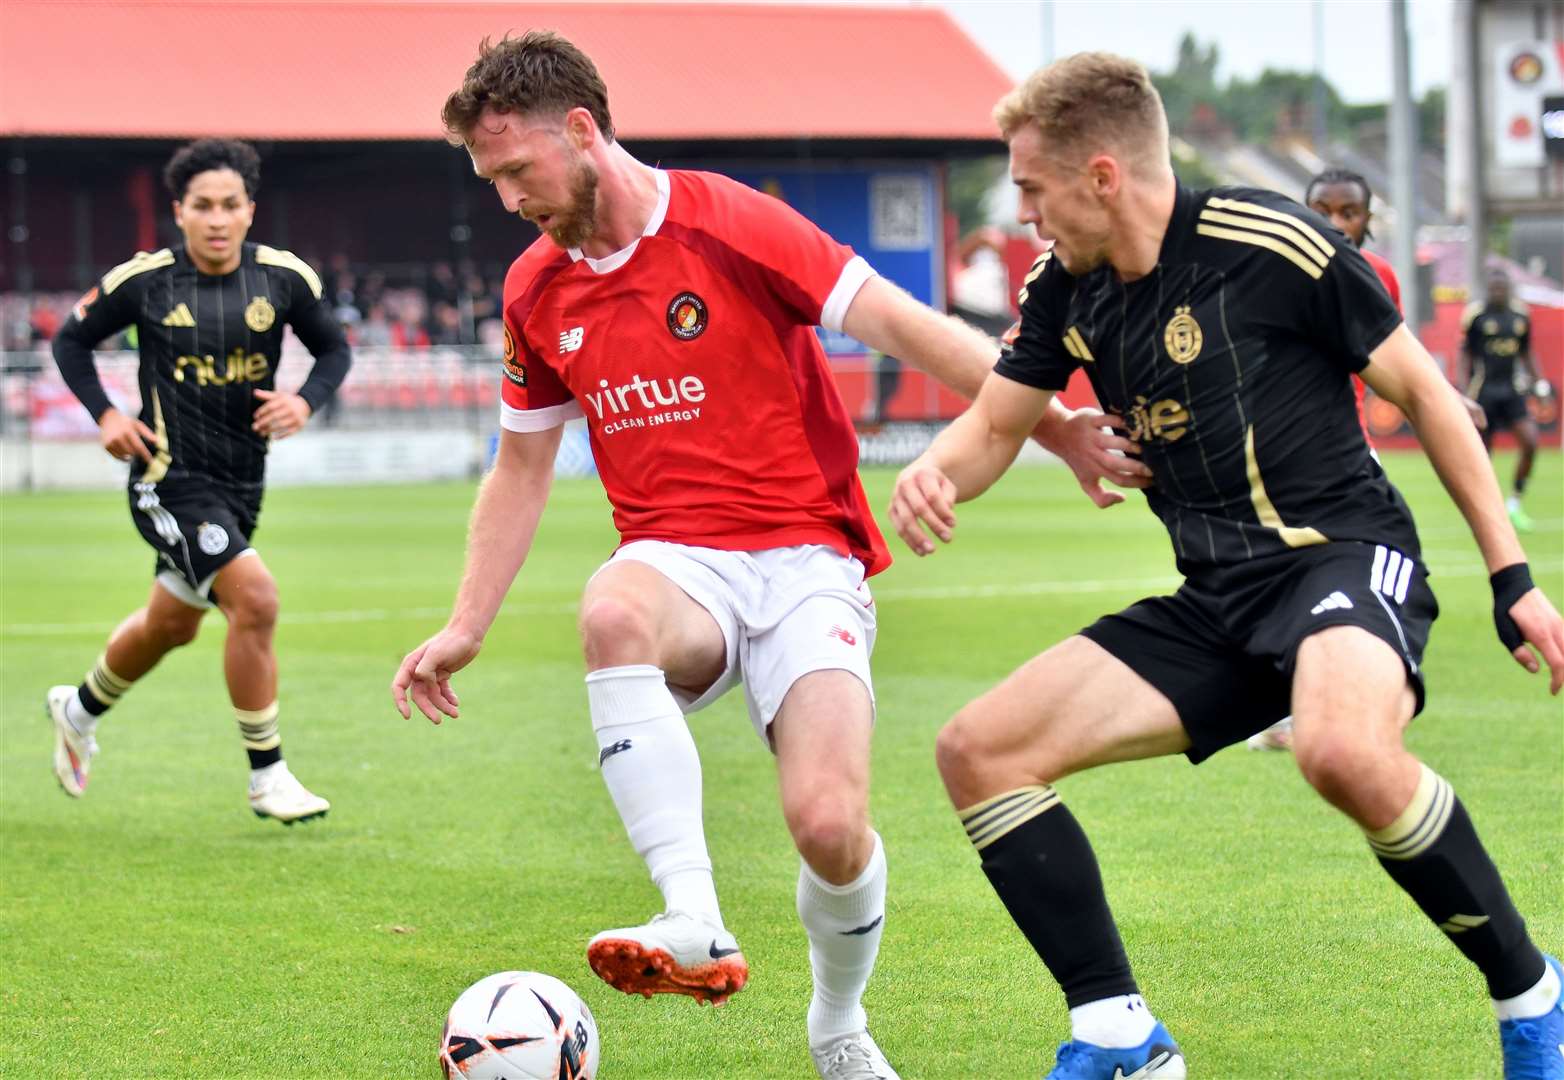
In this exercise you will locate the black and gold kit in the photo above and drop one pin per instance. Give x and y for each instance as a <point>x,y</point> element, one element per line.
<point>1494,336</point>
<point>1231,363</point>
<point>207,343</point>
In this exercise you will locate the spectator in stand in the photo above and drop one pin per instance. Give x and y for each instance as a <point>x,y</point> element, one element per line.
<point>375,331</point>
<point>442,286</point>
<point>446,326</point>
<point>407,331</point>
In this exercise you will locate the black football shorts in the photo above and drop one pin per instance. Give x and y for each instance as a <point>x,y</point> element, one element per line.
<point>1503,407</point>
<point>1222,648</point>
<point>196,528</point>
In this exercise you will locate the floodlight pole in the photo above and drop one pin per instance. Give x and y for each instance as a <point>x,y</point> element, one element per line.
<point>1477,203</point>
<point>1403,164</point>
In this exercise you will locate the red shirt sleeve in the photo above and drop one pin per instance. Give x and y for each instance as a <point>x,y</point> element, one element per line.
<point>775,251</point>
<point>532,397</point>
<point>1387,276</point>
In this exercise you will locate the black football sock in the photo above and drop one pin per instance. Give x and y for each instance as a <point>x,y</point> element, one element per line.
<point>1041,864</point>
<point>258,729</point>
<point>1432,851</point>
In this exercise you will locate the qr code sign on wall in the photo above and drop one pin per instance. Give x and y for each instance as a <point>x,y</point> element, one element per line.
<point>899,213</point>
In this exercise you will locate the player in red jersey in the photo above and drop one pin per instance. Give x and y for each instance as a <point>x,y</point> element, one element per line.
<point>675,311</point>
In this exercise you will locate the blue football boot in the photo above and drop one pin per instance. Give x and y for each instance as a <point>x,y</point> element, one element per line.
<point>1158,1057</point>
<point>1534,1048</point>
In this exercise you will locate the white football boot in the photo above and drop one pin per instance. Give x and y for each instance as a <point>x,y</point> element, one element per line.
<point>276,793</point>
<point>72,750</point>
<point>675,953</point>
<point>853,1057</point>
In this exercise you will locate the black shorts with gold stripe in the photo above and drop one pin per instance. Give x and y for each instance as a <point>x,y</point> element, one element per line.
<point>1222,648</point>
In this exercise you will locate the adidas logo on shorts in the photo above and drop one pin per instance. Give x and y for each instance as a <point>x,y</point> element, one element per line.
<point>1336,601</point>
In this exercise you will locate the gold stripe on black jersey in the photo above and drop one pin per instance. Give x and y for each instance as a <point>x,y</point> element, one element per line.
<point>1266,511</point>
<point>162,459</point>
<point>139,263</point>
<point>270,256</point>
<point>1280,231</point>
<point>1311,235</point>
<point>1244,236</point>
<point>1031,275</point>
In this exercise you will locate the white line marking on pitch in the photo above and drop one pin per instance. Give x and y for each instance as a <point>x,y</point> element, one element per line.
<point>916,592</point>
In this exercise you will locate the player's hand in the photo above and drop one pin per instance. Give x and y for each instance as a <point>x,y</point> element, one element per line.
<point>425,675</point>
<point>1475,411</point>
<point>280,414</point>
<point>1094,454</point>
<point>1541,626</point>
<point>925,498</point>
<point>125,437</point>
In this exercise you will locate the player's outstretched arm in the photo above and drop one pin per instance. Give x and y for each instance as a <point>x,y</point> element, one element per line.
<point>964,460</point>
<point>504,521</point>
<point>961,356</point>
<point>1401,372</point>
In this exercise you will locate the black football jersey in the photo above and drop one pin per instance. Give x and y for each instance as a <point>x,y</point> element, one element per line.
<point>1495,336</point>
<point>207,343</point>
<point>1231,363</point>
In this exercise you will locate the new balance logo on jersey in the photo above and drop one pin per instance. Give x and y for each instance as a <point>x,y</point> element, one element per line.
<point>570,340</point>
<point>1336,601</point>
<point>180,316</point>
<point>841,635</point>
<point>609,751</point>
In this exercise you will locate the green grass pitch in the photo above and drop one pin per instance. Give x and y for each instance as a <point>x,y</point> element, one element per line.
<point>157,929</point>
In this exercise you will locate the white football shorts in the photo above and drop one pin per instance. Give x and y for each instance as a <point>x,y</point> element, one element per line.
<point>783,612</point>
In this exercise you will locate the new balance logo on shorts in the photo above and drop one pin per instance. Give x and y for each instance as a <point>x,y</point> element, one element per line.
<point>842,635</point>
<point>609,751</point>
<point>1336,601</point>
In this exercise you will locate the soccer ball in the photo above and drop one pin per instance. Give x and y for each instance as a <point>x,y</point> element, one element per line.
<point>519,1025</point>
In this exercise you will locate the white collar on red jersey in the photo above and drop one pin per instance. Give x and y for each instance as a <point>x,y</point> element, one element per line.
<point>609,263</point>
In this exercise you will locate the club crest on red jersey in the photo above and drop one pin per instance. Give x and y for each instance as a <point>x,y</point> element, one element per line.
<point>687,316</point>
<point>515,370</point>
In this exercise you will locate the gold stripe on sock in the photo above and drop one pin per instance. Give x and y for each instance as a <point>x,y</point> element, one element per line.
<point>258,729</point>
<point>104,685</point>
<point>992,818</point>
<point>1420,824</point>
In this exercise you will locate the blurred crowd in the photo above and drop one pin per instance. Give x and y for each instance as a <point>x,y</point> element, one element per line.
<point>453,305</point>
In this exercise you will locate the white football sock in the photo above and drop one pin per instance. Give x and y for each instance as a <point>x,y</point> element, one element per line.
<point>1118,1022</point>
<point>649,762</point>
<point>1534,1002</point>
<point>78,717</point>
<point>1513,503</point>
<point>844,923</point>
<point>260,777</point>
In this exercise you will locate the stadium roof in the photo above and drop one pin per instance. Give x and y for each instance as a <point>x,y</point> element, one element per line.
<point>360,70</point>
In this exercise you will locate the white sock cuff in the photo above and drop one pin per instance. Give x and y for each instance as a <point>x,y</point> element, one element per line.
<point>630,694</point>
<point>859,896</point>
<point>1538,1000</point>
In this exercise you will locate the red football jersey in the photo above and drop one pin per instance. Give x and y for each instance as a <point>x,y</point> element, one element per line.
<point>692,354</point>
<point>1387,277</point>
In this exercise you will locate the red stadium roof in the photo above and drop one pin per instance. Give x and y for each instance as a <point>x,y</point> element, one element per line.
<point>351,70</point>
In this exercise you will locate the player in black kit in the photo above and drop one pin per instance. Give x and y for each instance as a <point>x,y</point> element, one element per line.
<point>209,317</point>
<point>1496,346</point>
<point>1223,325</point>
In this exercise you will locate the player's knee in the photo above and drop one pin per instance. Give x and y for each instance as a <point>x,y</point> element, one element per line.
<point>252,606</point>
<point>1335,766</point>
<point>616,630</point>
<point>174,629</point>
<point>827,829</point>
